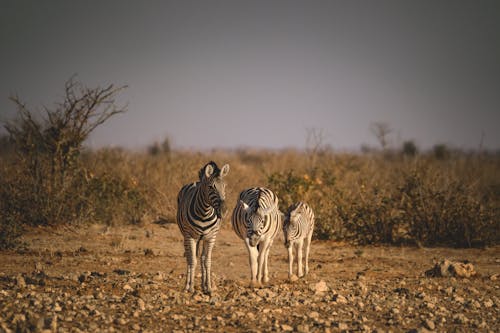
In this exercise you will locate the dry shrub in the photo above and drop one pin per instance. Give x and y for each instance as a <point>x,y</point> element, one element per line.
<point>44,181</point>
<point>379,200</point>
<point>361,198</point>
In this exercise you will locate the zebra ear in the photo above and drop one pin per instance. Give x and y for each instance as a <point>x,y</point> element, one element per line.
<point>245,206</point>
<point>209,170</point>
<point>224,171</point>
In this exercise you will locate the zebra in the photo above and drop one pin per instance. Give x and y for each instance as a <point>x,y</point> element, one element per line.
<point>298,229</point>
<point>257,220</point>
<point>200,209</point>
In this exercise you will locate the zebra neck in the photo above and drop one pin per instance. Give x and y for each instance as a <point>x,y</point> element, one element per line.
<point>201,206</point>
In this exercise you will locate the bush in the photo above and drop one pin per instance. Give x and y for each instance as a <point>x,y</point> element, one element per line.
<point>385,201</point>
<point>409,148</point>
<point>441,151</point>
<point>46,182</point>
<point>449,215</point>
<point>318,190</point>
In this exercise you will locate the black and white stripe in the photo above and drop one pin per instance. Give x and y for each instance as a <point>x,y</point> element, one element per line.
<point>257,220</point>
<point>201,206</point>
<point>298,228</point>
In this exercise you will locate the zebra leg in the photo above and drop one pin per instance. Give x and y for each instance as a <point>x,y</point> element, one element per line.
<point>263,268</point>
<point>308,247</point>
<point>203,262</point>
<point>300,244</point>
<point>253,253</point>
<point>206,279</point>
<point>190,253</point>
<point>290,261</point>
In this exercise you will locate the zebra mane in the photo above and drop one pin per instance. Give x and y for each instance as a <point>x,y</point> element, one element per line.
<point>292,209</point>
<point>214,166</point>
<point>263,210</point>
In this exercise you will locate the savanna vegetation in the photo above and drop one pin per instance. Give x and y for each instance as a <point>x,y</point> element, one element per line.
<point>48,177</point>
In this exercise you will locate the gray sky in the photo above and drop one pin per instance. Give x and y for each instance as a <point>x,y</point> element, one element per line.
<point>259,73</point>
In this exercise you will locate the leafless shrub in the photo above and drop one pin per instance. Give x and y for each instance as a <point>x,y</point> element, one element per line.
<point>46,182</point>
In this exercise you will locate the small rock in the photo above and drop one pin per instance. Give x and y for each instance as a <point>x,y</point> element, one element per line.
<point>127,287</point>
<point>343,326</point>
<point>159,276</point>
<point>488,303</point>
<point>286,327</point>
<point>314,315</point>
<point>302,328</point>
<point>38,267</point>
<point>84,276</point>
<point>320,287</point>
<point>121,271</point>
<point>20,282</point>
<point>340,299</point>
<point>447,268</point>
<point>141,304</point>
<point>294,278</point>
<point>429,324</point>
<point>120,321</point>
<point>460,318</point>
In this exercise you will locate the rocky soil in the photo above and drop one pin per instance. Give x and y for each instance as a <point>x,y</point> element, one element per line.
<point>131,279</point>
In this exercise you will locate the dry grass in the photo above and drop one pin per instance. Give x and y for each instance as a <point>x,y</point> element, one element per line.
<point>362,198</point>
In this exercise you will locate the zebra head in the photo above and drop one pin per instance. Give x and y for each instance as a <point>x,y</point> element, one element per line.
<point>257,222</point>
<point>290,226</point>
<point>212,178</point>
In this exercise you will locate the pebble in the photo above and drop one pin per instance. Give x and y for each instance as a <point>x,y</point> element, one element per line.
<point>104,301</point>
<point>429,324</point>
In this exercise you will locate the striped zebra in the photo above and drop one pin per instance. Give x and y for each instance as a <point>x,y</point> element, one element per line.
<point>257,220</point>
<point>298,229</point>
<point>201,207</point>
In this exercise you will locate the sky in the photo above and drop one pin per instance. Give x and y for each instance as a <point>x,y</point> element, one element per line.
<point>232,74</point>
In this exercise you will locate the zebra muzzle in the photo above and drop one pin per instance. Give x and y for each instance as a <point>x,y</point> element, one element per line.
<point>253,239</point>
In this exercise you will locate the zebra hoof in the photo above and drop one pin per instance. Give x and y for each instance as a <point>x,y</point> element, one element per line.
<point>255,284</point>
<point>207,291</point>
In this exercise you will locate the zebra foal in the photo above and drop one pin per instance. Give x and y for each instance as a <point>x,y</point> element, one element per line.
<point>200,209</point>
<point>298,229</point>
<point>257,220</point>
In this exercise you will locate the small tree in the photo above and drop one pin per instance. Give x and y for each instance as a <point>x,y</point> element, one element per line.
<point>441,151</point>
<point>315,145</point>
<point>57,139</point>
<point>409,148</point>
<point>48,150</point>
<point>381,131</point>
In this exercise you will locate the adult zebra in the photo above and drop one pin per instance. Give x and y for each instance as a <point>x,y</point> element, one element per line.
<point>257,220</point>
<point>200,209</point>
<point>298,229</point>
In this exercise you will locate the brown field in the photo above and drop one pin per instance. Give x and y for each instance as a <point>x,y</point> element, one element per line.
<point>98,249</point>
<point>131,278</point>
<point>88,240</point>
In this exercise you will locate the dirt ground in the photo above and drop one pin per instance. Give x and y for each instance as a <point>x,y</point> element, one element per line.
<point>131,278</point>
